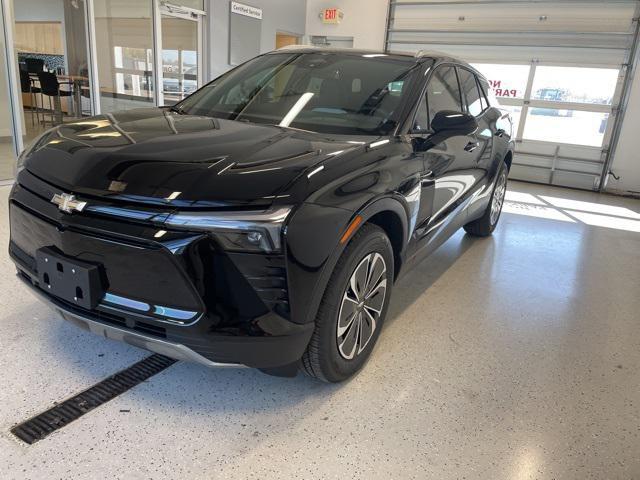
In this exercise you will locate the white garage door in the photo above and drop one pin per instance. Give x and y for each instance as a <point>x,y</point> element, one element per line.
<point>559,67</point>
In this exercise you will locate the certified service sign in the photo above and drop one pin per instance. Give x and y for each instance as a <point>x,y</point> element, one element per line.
<point>246,10</point>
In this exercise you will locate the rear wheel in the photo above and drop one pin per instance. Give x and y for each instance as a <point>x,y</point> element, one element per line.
<point>353,308</point>
<point>485,225</point>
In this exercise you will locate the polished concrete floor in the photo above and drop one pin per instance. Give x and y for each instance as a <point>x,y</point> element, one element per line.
<point>512,357</point>
<point>7,159</point>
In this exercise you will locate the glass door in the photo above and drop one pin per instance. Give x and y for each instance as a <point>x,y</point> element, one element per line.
<point>181,62</point>
<point>11,122</point>
<point>124,61</point>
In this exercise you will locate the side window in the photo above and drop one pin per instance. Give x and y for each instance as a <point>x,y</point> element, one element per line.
<point>485,89</point>
<point>443,92</point>
<point>483,100</point>
<point>470,91</point>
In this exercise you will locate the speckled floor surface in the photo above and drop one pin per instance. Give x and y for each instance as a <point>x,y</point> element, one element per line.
<point>514,357</point>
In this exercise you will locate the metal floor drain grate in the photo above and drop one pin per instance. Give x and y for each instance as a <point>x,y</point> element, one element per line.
<point>64,413</point>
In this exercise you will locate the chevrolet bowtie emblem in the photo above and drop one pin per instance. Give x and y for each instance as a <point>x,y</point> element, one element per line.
<point>68,203</point>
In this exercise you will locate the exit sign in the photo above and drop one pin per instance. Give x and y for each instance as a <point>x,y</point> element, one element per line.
<point>331,15</point>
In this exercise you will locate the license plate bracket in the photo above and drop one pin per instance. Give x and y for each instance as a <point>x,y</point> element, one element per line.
<point>70,279</point>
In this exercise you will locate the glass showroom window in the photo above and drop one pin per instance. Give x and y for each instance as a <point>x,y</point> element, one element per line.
<point>508,86</point>
<point>589,91</point>
<point>507,81</point>
<point>124,33</point>
<point>566,126</point>
<point>575,84</point>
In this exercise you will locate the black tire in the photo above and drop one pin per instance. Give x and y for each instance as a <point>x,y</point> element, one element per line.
<point>323,358</point>
<point>484,226</point>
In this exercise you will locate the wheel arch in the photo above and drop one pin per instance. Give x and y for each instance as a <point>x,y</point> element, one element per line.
<point>391,222</point>
<point>508,159</point>
<point>388,213</point>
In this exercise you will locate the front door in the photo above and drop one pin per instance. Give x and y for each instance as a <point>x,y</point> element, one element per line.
<point>453,162</point>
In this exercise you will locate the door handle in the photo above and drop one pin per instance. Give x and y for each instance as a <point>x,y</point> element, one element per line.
<point>471,146</point>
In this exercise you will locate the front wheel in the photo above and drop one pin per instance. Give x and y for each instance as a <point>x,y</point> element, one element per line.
<point>485,225</point>
<point>353,308</point>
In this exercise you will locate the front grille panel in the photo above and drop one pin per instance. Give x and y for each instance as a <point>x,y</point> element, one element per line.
<point>224,291</point>
<point>147,274</point>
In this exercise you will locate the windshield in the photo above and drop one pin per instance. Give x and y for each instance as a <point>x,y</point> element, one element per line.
<point>323,92</point>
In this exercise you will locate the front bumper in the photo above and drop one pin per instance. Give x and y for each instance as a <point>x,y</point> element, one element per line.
<point>222,351</point>
<point>173,350</point>
<point>181,296</point>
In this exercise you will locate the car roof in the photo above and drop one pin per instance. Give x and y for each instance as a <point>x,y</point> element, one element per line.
<point>418,57</point>
<point>421,55</point>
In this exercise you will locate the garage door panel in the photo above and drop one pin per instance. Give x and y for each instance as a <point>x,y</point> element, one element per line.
<point>594,40</point>
<point>543,154</point>
<point>487,53</point>
<point>570,151</point>
<point>557,66</point>
<point>574,180</point>
<point>527,160</point>
<point>576,151</point>
<point>585,18</point>
<point>558,177</point>
<point>593,168</point>
<point>529,174</point>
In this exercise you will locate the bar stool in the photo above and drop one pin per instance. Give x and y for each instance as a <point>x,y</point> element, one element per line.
<point>34,65</point>
<point>51,88</point>
<point>26,86</point>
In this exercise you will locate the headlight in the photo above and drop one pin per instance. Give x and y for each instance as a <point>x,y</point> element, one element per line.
<point>238,231</point>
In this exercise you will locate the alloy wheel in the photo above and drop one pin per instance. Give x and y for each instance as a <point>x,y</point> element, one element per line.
<point>362,305</point>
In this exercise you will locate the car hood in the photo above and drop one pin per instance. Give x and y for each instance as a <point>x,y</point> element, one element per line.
<point>157,156</point>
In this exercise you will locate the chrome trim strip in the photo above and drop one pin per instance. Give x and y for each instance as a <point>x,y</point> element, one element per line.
<point>171,315</point>
<point>176,351</point>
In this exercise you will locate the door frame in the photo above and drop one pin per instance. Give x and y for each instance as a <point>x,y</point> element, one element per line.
<point>11,78</point>
<point>162,8</point>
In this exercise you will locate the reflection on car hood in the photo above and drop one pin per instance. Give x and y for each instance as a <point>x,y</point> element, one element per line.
<point>156,156</point>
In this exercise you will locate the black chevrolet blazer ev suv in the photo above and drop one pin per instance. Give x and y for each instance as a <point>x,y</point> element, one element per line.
<point>263,220</point>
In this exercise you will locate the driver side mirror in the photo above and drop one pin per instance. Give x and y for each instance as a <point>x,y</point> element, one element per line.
<point>446,124</point>
<point>453,123</point>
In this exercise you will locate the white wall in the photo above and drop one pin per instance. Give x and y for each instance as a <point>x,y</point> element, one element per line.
<point>626,161</point>
<point>287,16</point>
<point>364,20</point>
